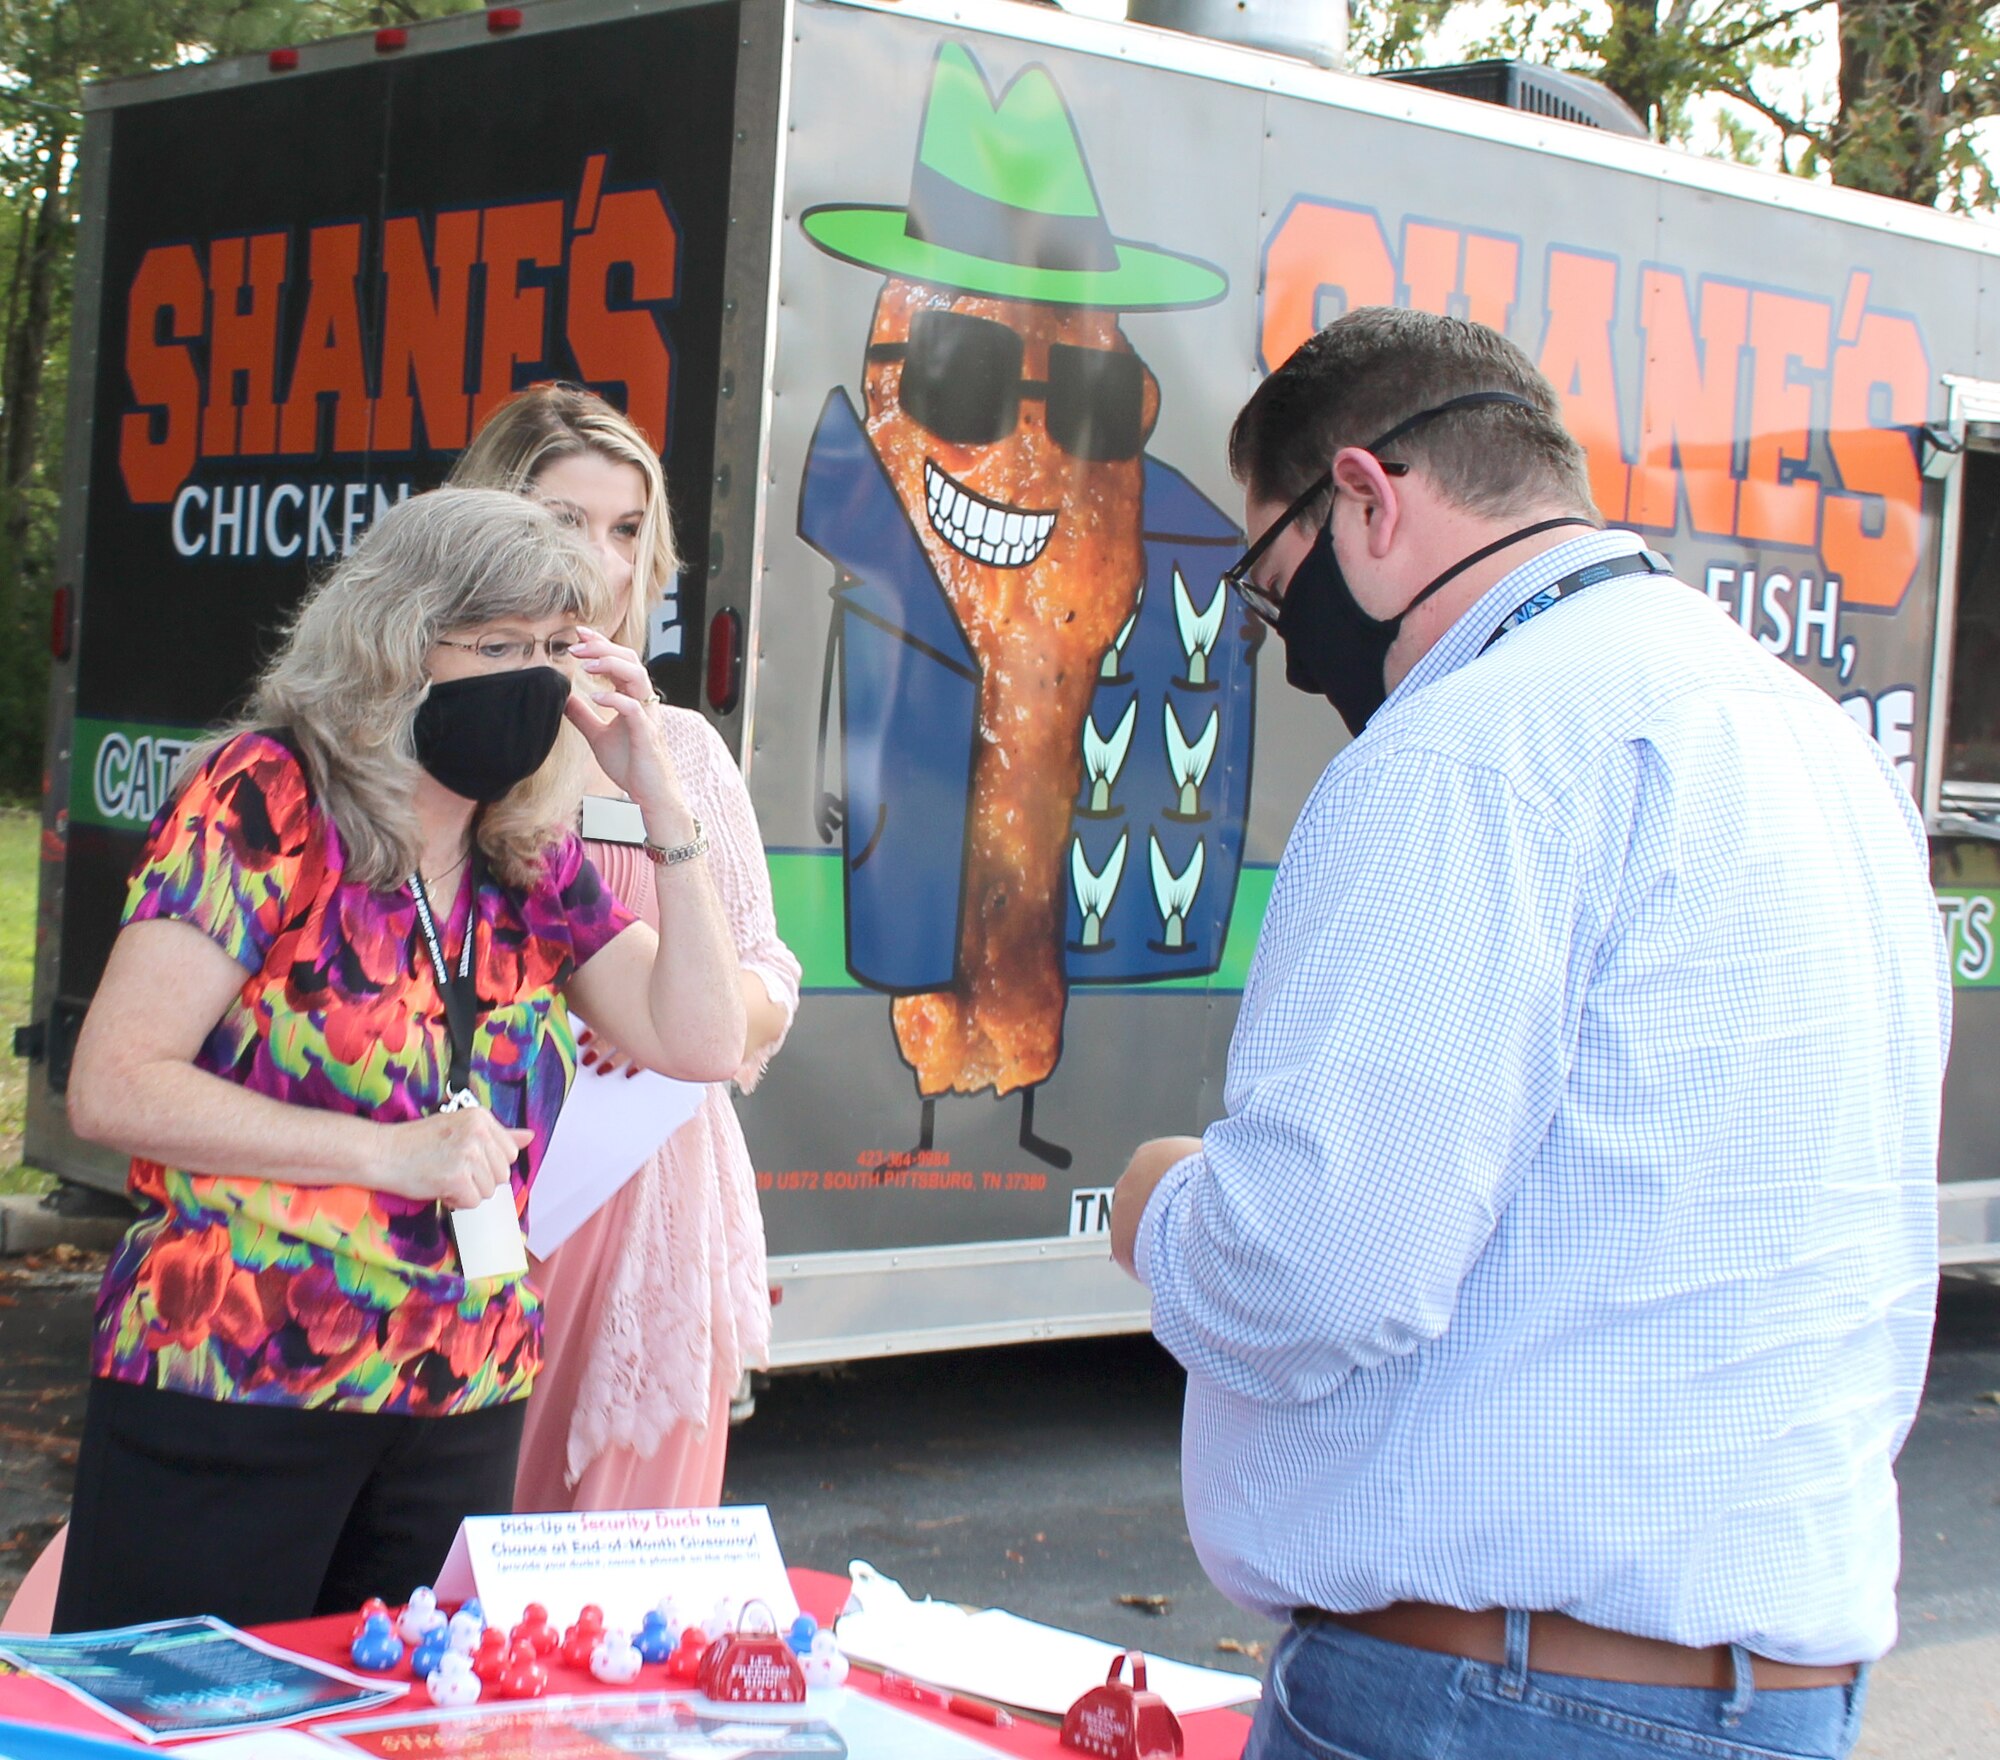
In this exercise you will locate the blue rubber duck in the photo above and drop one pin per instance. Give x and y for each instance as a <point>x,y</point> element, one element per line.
<point>428,1654</point>
<point>377,1648</point>
<point>655,1640</point>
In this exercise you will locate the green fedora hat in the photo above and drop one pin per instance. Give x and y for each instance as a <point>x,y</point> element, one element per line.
<point>1001,203</point>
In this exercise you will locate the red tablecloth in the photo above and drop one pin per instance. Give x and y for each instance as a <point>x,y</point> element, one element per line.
<point>1211,1735</point>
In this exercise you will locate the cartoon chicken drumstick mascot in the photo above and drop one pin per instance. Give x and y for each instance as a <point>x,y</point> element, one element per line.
<point>1045,696</point>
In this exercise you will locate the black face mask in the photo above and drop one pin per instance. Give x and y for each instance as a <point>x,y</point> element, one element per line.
<point>1333,648</point>
<point>480,736</point>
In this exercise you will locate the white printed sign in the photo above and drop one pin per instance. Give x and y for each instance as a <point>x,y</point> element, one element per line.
<point>1090,1211</point>
<point>622,1560</point>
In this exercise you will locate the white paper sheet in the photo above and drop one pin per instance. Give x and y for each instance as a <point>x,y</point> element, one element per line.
<point>608,1126</point>
<point>1000,1656</point>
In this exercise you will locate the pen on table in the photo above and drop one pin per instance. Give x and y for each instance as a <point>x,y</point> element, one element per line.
<point>900,1686</point>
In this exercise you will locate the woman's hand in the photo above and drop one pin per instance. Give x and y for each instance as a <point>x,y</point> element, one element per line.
<point>624,732</point>
<point>597,1052</point>
<point>457,1158</point>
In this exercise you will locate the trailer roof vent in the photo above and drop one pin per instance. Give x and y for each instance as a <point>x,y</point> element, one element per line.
<point>1311,30</point>
<point>1541,91</point>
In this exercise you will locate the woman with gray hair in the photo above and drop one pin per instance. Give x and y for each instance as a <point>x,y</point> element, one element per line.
<point>332,1021</point>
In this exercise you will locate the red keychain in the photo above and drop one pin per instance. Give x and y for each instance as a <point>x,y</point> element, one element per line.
<point>1120,1722</point>
<point>753,1668</point>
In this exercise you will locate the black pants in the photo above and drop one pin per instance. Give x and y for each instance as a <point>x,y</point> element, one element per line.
<point>262,1513</point>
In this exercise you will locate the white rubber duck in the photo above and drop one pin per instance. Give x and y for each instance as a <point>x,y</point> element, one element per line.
<point>465,1630</point>
<point>615,1661</point>
<point>670,1614</point>
<point>824,1665</point>
<point>721,1620</point>
<point>420,1618</point>
<point>452,1682</point>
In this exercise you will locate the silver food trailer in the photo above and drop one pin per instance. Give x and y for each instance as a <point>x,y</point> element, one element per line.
<point>939,313</point>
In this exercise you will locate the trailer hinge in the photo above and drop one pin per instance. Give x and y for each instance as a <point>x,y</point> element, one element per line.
<point>32,1041</point>
<point>1940,446</point>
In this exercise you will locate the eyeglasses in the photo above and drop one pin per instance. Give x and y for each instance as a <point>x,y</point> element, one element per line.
<point>516,650</point>
<point>962,382</point>
<point>1260,599</point>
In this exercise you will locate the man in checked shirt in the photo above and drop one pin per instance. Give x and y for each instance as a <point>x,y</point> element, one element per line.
<point>1556,1291</point>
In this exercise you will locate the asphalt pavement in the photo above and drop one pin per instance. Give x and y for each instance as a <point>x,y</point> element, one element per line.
<point>1045,1479</point>
<point>45,1304</point>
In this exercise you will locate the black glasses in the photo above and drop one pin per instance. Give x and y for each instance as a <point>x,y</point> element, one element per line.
<point>962,381</point>
<point>1261,600</point>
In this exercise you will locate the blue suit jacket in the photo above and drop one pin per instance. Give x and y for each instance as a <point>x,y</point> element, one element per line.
<point>909,703</point>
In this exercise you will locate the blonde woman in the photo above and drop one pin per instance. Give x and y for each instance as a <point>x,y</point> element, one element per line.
<point>657,1305</point>
<point>333,1016</point>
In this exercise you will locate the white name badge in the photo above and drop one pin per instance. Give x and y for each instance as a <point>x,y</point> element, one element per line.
<point>490,1243</point>
<point>624,1561</point>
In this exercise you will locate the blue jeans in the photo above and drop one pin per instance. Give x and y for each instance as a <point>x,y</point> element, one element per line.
<point>1337,1695</point>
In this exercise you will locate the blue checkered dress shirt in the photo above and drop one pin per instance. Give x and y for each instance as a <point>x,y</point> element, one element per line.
<point>1570,1239</point>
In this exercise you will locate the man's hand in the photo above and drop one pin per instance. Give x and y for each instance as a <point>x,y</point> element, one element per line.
<point>1148,1166</point>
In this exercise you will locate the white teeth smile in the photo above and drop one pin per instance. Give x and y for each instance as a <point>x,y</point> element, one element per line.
<point>1003,537</point>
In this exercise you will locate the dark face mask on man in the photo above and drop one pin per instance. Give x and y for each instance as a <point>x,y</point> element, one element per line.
<point>1333,647</point>
<point>482,735</point>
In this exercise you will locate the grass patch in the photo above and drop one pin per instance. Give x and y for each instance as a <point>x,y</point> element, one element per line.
<point>20,836</point>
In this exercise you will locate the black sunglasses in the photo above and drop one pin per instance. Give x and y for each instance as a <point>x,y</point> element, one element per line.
<point>962,381</point>
<point>1259,598</point>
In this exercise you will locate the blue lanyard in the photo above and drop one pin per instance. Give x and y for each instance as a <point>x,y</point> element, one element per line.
<point>1645,562</point>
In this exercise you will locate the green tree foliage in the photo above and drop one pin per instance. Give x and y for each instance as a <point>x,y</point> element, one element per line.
<point>1392,33</point>
<point>49,51</point>
<point>1881,95</point>
<point>1661,55</point>
<point>1915,76</point>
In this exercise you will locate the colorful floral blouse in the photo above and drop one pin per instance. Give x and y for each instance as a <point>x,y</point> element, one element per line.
<point>257,1291</point>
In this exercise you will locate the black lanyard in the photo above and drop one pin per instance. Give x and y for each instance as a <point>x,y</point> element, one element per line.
<point>461,1000</point>
<point>1644,562</point>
